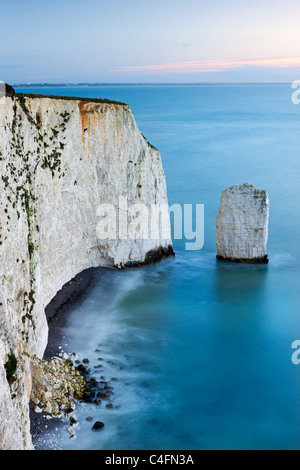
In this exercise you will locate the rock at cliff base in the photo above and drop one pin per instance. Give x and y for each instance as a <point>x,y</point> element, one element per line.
<point>242,225</point>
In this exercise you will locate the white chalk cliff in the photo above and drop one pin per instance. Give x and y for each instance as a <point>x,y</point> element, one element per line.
<point>60,159</point>
<point>242,225</point>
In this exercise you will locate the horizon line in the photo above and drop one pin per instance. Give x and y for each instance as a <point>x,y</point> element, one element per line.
<point>69,84</point>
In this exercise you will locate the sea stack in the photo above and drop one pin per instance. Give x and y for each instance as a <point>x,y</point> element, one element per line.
<point>242,225</point>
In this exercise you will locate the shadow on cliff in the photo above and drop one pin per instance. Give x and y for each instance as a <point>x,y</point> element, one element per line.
<point>71,294</point>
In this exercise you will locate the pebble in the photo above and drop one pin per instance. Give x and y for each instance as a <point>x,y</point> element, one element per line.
<point>98,425</point>
<point>73,421</point>
<point>102,395</point>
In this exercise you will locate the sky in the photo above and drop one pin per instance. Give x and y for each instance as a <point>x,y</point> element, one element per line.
<point>149,41</point>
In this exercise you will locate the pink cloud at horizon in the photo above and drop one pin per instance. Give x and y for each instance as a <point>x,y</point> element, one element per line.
<point>218,65</point>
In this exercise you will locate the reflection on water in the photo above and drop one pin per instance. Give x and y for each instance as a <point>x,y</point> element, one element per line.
<point>235,280</point>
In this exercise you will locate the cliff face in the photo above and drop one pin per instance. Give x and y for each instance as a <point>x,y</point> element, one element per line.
<point>59,160</point>
<point>242,225</point>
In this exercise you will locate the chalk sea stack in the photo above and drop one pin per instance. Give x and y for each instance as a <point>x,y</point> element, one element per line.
<point>242,225</point>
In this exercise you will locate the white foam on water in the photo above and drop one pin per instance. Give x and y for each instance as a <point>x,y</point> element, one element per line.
<point>98,329</point>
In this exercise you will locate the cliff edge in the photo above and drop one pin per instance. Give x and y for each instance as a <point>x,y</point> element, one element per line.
<point>61,158</point>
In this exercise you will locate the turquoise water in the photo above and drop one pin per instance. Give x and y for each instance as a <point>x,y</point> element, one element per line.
<point>204,347</point>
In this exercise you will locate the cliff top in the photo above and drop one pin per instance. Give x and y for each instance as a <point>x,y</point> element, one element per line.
<point>70,98</point>
<point>245,187</point>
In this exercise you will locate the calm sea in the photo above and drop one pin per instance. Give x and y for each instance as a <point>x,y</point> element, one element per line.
<point>201,349</point>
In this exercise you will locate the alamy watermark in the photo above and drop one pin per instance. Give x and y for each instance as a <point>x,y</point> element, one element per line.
<point>296,344</point>
<point>296,94</point>
<point>296,354</point>
<point>139,221</point>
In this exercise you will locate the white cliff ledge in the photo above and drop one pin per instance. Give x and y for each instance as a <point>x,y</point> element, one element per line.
<point>60,159</point>
<point>242,225</point>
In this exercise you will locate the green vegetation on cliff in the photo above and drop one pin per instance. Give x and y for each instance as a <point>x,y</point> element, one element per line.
<point>69,98</point>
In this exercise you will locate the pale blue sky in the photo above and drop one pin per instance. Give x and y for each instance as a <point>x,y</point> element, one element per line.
<point>149,41</point>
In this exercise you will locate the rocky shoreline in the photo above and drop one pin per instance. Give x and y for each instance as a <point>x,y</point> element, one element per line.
<point>61,382</point>
<point>43,412</point>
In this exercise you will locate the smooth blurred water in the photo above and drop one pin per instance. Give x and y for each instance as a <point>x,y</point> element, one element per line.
<point>204,347</point>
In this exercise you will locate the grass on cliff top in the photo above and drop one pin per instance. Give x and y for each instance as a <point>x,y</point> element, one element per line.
<point>70,98</point>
